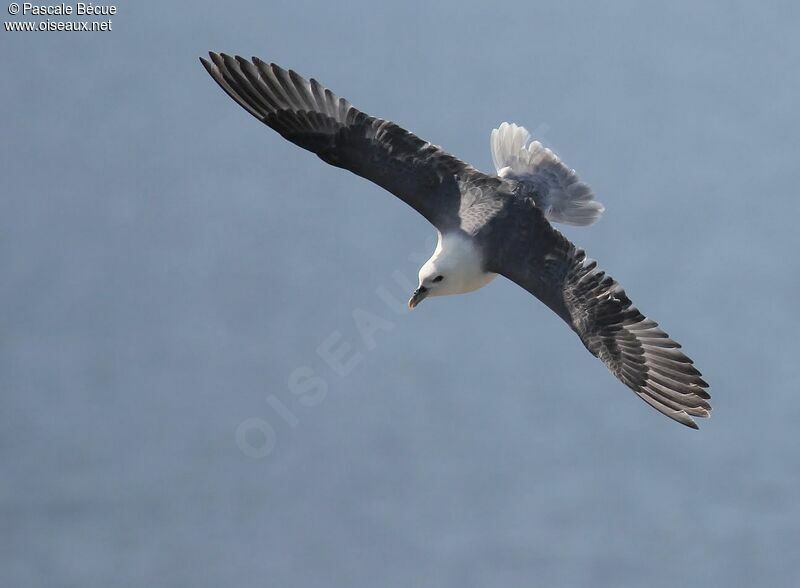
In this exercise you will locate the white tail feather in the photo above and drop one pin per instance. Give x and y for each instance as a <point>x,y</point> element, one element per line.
<point>556,188</point>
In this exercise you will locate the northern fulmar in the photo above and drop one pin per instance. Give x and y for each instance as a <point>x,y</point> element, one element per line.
<point>488,224</point>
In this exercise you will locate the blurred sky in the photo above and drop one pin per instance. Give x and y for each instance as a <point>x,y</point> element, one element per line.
<point>168,263</point>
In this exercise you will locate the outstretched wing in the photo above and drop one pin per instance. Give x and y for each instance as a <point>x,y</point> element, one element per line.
<point>311,116</point>
<point>554,187</point>
<point>633,347</point>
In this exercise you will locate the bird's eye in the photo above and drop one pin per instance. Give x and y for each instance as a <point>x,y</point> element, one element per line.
<point>438,278</point>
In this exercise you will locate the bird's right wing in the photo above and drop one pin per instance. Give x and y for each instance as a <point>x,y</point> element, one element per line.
<point>555,188</point>
<point>311,116</point>
<point>533,254</point>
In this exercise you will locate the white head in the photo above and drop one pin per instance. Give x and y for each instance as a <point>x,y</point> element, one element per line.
<point>433,281</point>
<point>455,267</point>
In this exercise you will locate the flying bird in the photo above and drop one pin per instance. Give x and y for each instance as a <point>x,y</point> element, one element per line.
<point>488,224</point>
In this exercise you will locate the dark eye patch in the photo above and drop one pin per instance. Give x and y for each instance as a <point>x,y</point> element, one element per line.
<point>438,278</point>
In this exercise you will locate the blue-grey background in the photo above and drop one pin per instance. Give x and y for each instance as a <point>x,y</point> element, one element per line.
<point>167,263</point>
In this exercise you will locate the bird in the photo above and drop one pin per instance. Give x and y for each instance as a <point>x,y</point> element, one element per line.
<point>488,224</point>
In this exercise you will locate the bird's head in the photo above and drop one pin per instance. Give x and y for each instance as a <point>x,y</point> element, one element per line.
<point>432,282</point>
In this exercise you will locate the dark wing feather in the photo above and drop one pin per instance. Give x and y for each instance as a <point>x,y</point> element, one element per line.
<point>633,347</point>
<point>311,116</point>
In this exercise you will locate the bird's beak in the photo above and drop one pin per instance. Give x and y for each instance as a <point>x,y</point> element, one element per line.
<point>418,296</point>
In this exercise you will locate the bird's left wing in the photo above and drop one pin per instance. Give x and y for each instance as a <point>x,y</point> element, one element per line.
<point>311,116</point>
<point>530,252</point>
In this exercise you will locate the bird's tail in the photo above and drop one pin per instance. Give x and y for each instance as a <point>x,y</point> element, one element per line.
<point>559,192</point>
